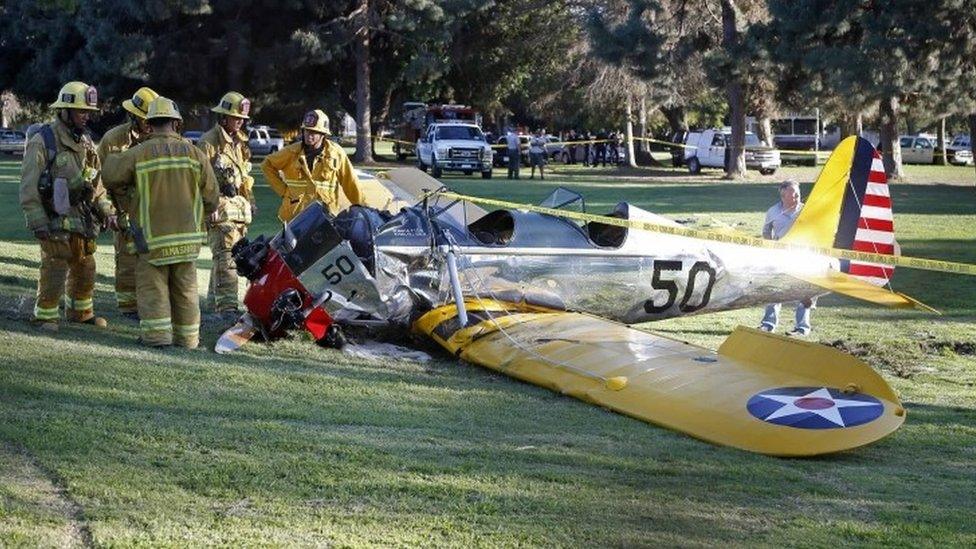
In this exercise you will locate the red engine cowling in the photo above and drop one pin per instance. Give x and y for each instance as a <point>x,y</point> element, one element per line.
<point>278,301</point>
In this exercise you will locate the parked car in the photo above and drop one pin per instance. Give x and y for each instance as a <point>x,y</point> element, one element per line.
<point>917,149</point>
<point>501,153</point>
<point>709,148</point>
<point>193,136</point>
<point>264,140</point>
<point>960,151</point>
<point>12,141</point>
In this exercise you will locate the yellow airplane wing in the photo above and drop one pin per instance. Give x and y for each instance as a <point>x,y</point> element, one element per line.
<point>760,392</point>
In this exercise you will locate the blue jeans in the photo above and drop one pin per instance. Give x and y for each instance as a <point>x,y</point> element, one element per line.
<point>514,161</point>
<point>771,318</point>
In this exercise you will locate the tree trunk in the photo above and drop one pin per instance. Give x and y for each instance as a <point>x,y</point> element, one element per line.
<point>642,145</point>
<point>736,168</point>
<point>629,105</point>
<point>943,153</point>
<point>764,128</point>
<point>891,148</point>
<point>850,125</point>
<point>972,132</point>
<point>676,118</point>
<point>238,54</point>
<point>364,150</point>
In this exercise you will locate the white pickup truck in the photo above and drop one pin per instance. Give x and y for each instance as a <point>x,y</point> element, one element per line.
<point>455,147</point>
<point>709,148</point>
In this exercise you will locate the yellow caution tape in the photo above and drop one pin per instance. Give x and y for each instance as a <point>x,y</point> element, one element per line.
<point>883,259</point>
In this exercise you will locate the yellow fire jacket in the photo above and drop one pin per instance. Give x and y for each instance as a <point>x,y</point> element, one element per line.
<point>175,189</point>
<point>331,179</point>
<point>75,166</point>
<point>230,158</point>
<point>116,140</point>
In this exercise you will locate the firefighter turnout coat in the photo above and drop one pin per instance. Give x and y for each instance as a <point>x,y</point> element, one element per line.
<point>330,179</point>
<point>230,158</point>
<point>76,167</point>
<point>175,189</point>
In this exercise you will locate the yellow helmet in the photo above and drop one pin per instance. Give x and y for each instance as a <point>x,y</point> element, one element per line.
<point>139,104</point>
<point>316,121</point>
<point>77,95</point>
<point>162,107</point>
<point>234,104</point>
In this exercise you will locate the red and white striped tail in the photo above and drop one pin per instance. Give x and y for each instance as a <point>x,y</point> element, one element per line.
<point>875,227</point>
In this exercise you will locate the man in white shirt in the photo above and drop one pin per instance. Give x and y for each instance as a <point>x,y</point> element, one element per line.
<point>779,219</point>
<point>513,149</point>
<point>537,153</point>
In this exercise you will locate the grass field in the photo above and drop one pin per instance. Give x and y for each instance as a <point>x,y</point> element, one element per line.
<point>103,442</point>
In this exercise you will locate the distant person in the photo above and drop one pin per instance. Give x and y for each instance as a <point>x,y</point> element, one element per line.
<point>779,219</point>
<point>314,169</point>
<point>513,149</point>
<point>173,189</point>
<point>614,146</point>
<point>227,150</point>
<point>587,147</point>
<point>120,138</point>
<point>601,148</point>
<point>65,206</point>
<point>571,147</point>
<point>537,153</point>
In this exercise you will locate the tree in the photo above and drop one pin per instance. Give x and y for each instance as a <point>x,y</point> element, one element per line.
<point>869,53</point>
<point>664,41</point>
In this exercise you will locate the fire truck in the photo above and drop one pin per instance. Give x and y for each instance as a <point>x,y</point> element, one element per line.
<point>417,116</point>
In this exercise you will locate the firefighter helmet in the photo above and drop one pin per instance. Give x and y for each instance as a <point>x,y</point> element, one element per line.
<point>77,95</point>
<point>234,104</point>
<point>139,104</point>
<point>316,121</point>
<point>162,107</point>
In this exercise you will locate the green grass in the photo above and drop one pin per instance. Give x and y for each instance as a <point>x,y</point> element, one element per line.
<point>291,444</point>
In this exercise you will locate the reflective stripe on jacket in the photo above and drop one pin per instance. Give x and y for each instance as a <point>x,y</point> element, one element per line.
<point>331,179</point>
<point>175,189</point>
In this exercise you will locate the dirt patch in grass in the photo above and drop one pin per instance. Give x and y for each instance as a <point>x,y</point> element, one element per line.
<point>904,359</point>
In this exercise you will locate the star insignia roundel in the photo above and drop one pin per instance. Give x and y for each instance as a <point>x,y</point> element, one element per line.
<point>814,407</point>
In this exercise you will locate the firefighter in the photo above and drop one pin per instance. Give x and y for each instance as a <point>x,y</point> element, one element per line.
<point>227,152</point>
<point>314,169</point>
<point>121,137</point>
<point>172,189</point>
<point>65,204</point>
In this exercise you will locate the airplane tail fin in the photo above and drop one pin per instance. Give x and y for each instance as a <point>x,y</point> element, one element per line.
<point>850,208</point>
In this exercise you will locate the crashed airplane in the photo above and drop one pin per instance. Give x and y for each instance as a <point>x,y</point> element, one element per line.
<point>547,299</point>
